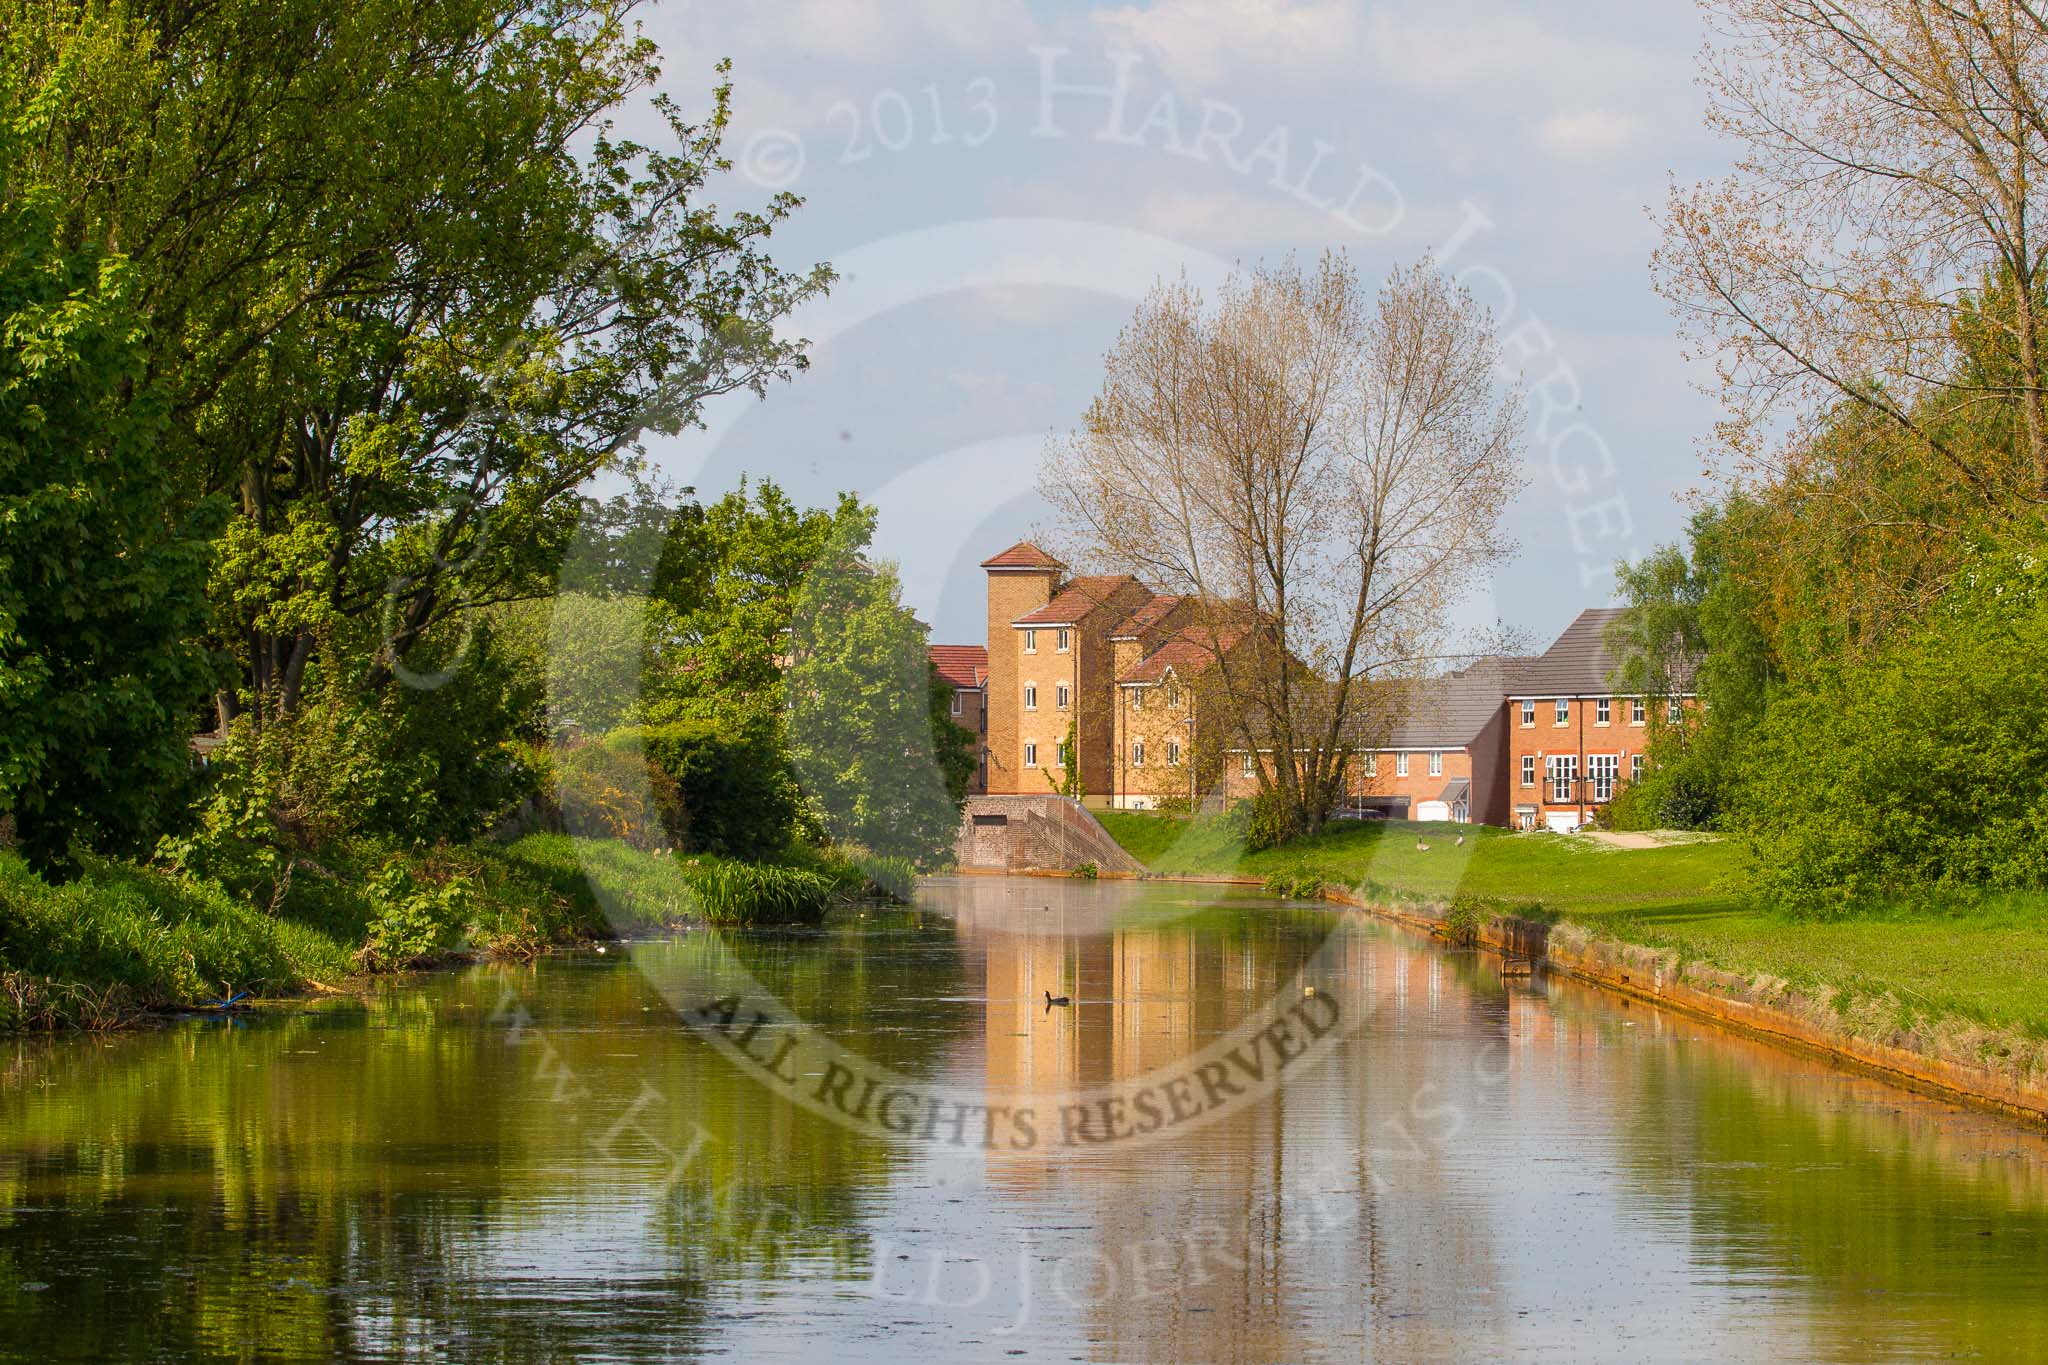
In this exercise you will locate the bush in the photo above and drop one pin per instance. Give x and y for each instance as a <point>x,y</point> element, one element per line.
<point>417,919</point>
<point>1298,884</point>
<point>1923,765</point>
<point>1265,821</point>
<point>734,781</point>
<point>609,792</point>
<point>1087,871</point>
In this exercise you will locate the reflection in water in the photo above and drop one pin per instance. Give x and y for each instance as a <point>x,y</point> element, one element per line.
<point>542,1163</point>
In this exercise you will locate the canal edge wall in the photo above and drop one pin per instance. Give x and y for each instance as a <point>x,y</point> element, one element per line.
<point>1944,1059</point>
<point>1771,1009</point>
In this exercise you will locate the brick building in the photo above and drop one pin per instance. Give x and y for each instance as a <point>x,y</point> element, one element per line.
<point>1130,676</point>
<point>1573,741</point>
<point>966,668</point>
<point>1532,743</point>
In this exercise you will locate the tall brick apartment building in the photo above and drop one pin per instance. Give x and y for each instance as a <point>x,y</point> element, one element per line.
<point>1125,674</point>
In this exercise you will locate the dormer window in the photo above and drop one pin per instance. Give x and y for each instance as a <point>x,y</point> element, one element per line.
<point>1172,693</point>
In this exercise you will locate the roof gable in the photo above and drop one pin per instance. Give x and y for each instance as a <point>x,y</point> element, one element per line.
<point>961,665</point>
<point>1022,555</point>
<point>1079,600</point>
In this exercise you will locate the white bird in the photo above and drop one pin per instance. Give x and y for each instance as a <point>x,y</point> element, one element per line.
<point>1421,847</point>
<point>1461,841</point>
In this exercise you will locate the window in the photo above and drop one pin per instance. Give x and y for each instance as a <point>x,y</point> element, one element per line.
<point>1137,699</point>
<point>1060,695</point>
<point>1564,711</point>
<point>1635,768</point>
<point>1030,696</point>
<point>1030,754</point>
<point>1400,765</point>
<point>1372,765</point>
<point>1671,711</point>
<point>956,703</point>
<point>1564,775</point>
<point>1600,710</point>
<point>1172,693</point>
<point>1635,711</point>
<point>1528,770</point>
<point>1062,640</point>
<point>1030,642</point>
<point>1528,713</point>
<point>1601,770</point>
<point>1138,754</point>
<point>1066,755</point>
<point>1436,763</point>
<point>1244,766</point>
<point>1173,753</point>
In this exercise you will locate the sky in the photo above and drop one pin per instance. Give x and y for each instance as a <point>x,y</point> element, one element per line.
<point>999,183</point>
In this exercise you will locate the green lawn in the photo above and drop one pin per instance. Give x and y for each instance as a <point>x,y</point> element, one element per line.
<point>1988,962</point>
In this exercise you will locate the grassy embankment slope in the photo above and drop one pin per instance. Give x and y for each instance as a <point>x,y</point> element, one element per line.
<point>1987,962</point>
<point>119,940</point>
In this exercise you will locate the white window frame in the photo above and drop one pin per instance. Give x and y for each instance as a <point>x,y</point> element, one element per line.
<point>1244,767</point>
<point>1172,693</point>
<point>1528,770</point>
<point>1603,771</point>
<point>1173,753</point>
<point>1372,765</point>
<point>1563,712</point>
<point>1030,753</point>
<point>956,703</point>
<point>1063,641</point>
<point>1635,768</point>
<point>1436,763</point>
<point>1560,777</point>
<point>1528,713</point>
<point>1137,699</point>
<point>1636,711</point>
<point>1401,765</point>
<point>1673,711</point>
<point>1603,711</point>
<point>1031,696</point>
<point>1137,753</point>
<point>1061,695</point>
<point>1030,642</point>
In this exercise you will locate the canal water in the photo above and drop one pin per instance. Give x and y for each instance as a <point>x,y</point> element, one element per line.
<point>609,1157</point>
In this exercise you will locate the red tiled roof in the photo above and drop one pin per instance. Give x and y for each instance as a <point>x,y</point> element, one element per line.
<point>1145,617</point>
<point>1022,555</point>
<point>1076,600</point>
<point>1187,654</point>
<point>961,665</point>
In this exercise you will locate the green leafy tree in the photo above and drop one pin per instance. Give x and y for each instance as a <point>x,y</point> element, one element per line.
<point>404,346</point>
<point>860,711</point>
<point>101,589</point>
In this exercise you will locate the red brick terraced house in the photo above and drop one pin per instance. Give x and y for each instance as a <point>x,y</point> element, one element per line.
<point>1573,742</point>
<point>1445,760</point>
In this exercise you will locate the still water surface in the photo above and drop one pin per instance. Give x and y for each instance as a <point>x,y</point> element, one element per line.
<point>543,1163</point>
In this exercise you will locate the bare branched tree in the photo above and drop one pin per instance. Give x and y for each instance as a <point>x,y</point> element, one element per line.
<point>1322,470</point>
<point>1881,238</point>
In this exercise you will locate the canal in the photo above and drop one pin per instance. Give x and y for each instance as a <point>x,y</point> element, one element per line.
<point>1255,1132</point>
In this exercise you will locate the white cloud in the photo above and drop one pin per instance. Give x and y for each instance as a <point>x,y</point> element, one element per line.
<point>1201,40</point>
<point>1588,132</point>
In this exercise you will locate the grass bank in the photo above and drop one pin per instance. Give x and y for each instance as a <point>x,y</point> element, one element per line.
<point>120,941</point>
<point>1984,959</point>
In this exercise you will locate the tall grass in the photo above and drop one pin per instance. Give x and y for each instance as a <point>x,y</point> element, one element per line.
<point>758,893</point>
